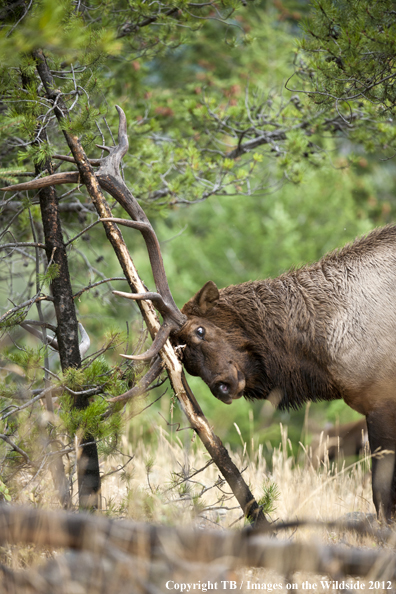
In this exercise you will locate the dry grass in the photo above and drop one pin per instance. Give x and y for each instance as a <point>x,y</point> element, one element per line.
<point>147,491</point>
<point>304,492</point>
<point>150,488</point>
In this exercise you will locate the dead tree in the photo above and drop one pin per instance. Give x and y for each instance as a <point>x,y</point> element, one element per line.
<point>109,179</point>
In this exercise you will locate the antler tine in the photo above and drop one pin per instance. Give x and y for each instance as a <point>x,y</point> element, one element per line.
<point>123,141</point>
<point>164,302</point>
<point>141,225</point>
<point>85,340</point>
<point>70,159</point>
<point>104,147</point>
<point>158,342</point>
<point>156,298</point>
<point>67,177</point>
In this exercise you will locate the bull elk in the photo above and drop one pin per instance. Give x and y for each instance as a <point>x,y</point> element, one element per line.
<point>322,332</point>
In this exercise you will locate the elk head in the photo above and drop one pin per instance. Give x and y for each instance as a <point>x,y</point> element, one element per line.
<point>216,354</point>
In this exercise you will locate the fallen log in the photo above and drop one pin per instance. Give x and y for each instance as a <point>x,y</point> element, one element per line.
<point>100,535</point>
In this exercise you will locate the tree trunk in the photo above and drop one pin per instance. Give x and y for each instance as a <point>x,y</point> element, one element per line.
<point>88,475</point>
<point>68,343</point>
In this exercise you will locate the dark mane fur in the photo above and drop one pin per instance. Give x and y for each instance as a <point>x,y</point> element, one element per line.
<point>281,356</point>
<point>283,321</point>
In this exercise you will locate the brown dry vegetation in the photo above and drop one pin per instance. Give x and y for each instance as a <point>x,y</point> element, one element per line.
<point>303,491</point>
<point>150,488</point>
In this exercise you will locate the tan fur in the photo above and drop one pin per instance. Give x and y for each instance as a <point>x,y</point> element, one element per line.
<point>322,332</point>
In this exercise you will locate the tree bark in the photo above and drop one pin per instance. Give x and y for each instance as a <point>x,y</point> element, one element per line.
<point>65,315</point>
<point>64,310</point>
<point>88,475</point>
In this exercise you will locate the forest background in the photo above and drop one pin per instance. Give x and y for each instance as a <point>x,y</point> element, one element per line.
<point>241,177</point>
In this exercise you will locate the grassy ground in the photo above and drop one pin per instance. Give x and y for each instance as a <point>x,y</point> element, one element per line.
<point>149,483</point>
<point>146,489</point>
<point>150,490</point>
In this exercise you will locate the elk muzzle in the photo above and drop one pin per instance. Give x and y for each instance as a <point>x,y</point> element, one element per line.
<point>229,387</point>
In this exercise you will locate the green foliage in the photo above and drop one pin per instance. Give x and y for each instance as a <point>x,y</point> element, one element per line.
<point>4,492</point>
<point>232,240</point>
<point>347,61</point>
<point>28,359</point>
<point>7,390</point>
<point>73,378</point>
<point>92,421</point>
<point>57,27</point>
<point>13,319</point>
<point>50,274</point>
<point>189,109</point>
<point>10,175</point>
<point>357,41</point>
<point>149,463</point>
<point>209,122</point>
<point>270,497</point>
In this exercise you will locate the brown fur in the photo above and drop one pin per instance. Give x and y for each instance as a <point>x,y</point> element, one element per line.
<point>322,332</point>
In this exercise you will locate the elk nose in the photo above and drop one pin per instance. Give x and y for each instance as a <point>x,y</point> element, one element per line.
<point>222,390</point>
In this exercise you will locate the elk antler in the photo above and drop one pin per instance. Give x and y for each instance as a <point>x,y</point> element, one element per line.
<point>110,180</point>
<point>163,300</point>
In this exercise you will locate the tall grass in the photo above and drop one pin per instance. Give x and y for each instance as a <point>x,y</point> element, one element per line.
<point>159,483</point>
<point>155,486</point>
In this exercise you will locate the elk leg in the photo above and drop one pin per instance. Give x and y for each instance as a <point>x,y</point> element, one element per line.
<point>381,425</point>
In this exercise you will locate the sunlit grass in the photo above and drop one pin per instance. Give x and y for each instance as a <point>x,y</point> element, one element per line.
<point>159,483</point>
<point>151,487</point>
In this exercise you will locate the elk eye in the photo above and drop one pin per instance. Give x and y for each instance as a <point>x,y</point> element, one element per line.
<point>200,332</point>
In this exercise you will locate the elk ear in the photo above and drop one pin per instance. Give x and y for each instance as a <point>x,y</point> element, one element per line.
<point>203,301</point>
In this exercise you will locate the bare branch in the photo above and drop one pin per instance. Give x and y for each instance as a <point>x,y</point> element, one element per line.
<point>21,244</point>
<point>27,303</point>
<point>106,280</point>
<point>129,28</point>
<point>29,403</point>
<point>16,448</point>
<point>51,341</point>
<point>189,477</point>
